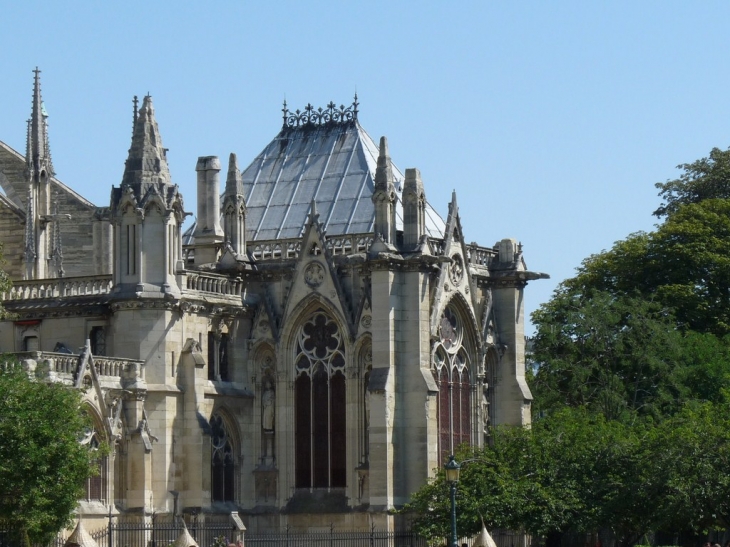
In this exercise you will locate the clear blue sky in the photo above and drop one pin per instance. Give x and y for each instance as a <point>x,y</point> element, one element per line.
<point>552,120</point>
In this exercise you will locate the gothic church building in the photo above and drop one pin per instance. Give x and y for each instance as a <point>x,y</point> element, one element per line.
<point>307,353</point>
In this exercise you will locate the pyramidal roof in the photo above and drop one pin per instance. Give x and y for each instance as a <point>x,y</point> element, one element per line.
<point>321,156</point>
<point>147,160</point>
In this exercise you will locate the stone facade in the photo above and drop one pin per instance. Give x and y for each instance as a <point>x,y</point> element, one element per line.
<point>306,354</point>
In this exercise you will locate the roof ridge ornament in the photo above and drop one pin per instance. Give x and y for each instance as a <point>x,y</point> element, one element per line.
<point>320,117</point>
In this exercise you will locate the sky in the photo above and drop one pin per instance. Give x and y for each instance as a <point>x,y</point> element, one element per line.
<point>552,121</point>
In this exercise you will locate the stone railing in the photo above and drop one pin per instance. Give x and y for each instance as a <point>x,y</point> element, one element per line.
<point>59,287</point>
<point>68,363</point>
<point>212,283</point>
<point>436,246</point>
<point>475,255</point>
<point>290,248</point>
<point>479,256</point>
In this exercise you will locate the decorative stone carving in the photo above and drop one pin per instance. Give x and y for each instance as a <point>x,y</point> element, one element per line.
<point>366,321</point>
<point>456,271</point>
<point>449,330</point>
<point>314,274</point>
<point>264,327</point>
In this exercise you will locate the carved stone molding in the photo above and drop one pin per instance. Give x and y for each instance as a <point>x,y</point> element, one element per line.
<point>456,270</point>
<point>314,274</point>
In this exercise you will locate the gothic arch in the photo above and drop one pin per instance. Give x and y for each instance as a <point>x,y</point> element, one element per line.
<point>225,448</point>
<point>299,314</point>
<point>460,302</point>
<point>455,365</point>
<point>316,357</point>
<point>261,352</point>
<point>95,436</point>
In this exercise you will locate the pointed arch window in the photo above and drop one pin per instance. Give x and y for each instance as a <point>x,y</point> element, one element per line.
<point>319,391</point>
<point>222,483</point>
<point>453,377</point>
<point>96,485</point>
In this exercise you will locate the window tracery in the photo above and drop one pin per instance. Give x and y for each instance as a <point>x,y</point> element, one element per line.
<point>96,485</point>
<point>222,461</point>
<point>451,363</point>
<point>319,364</point>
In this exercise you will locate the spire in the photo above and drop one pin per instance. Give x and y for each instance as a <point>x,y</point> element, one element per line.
<point>313,213</point>
<point>453,207</point>
<point>234,181</point>
<point>38,154</point>
<point>135,112</point>
<point>384,171</point>
<point>147,160</point>
<point>234,209</point>
<point>414,209</point>
<point>384,196</point>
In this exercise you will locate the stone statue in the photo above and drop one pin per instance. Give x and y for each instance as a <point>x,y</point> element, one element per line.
<point>268,400</point>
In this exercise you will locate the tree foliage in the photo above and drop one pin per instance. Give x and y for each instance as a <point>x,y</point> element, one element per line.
<point>684,265</point>
<point>576,471</point>
<point>706,178</point>
<point>613,355</point>
<point>43,467</point>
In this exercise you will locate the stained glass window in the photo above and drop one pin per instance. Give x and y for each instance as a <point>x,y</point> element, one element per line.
<point>319,391</point>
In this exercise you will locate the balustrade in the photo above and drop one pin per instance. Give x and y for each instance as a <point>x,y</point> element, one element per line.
<point>67,363</point>
<point>212,283</point>
<point>59,287</point>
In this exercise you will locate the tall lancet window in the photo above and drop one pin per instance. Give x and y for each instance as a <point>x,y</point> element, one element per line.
<point>319,391</point>
<point>222,462</point>
<point>96,485</point>
<point>451,370</point>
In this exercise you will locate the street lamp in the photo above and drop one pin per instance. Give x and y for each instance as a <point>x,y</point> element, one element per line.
<point>452,475</point>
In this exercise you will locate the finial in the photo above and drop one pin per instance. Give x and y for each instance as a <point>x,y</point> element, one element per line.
<point>234,183</point>
<point>313,210</point>
<point>39,156</point>
<point>135,102</point>
<point>383,152</point>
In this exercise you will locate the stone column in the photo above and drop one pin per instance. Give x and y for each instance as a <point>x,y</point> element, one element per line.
<point>512,395</point>
<point>382,391</point>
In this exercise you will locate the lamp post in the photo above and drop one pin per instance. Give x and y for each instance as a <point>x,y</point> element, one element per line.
<point>452,475</point>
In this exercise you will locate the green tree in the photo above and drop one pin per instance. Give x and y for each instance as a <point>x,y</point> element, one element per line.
<point>43,467</point>
<point>683,265</point>
<point>574,471</point>
<point>615,355</point>
<point>692,453</point>
<point>706,178</point>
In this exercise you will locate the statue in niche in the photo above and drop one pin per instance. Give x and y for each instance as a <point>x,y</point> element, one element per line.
<point>268,422</point>
<point>268,404</point>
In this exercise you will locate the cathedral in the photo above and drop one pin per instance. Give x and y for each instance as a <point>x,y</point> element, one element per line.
<point>306,353</point>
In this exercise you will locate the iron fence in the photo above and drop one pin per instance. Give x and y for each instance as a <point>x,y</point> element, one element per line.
<point>212,532</point>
